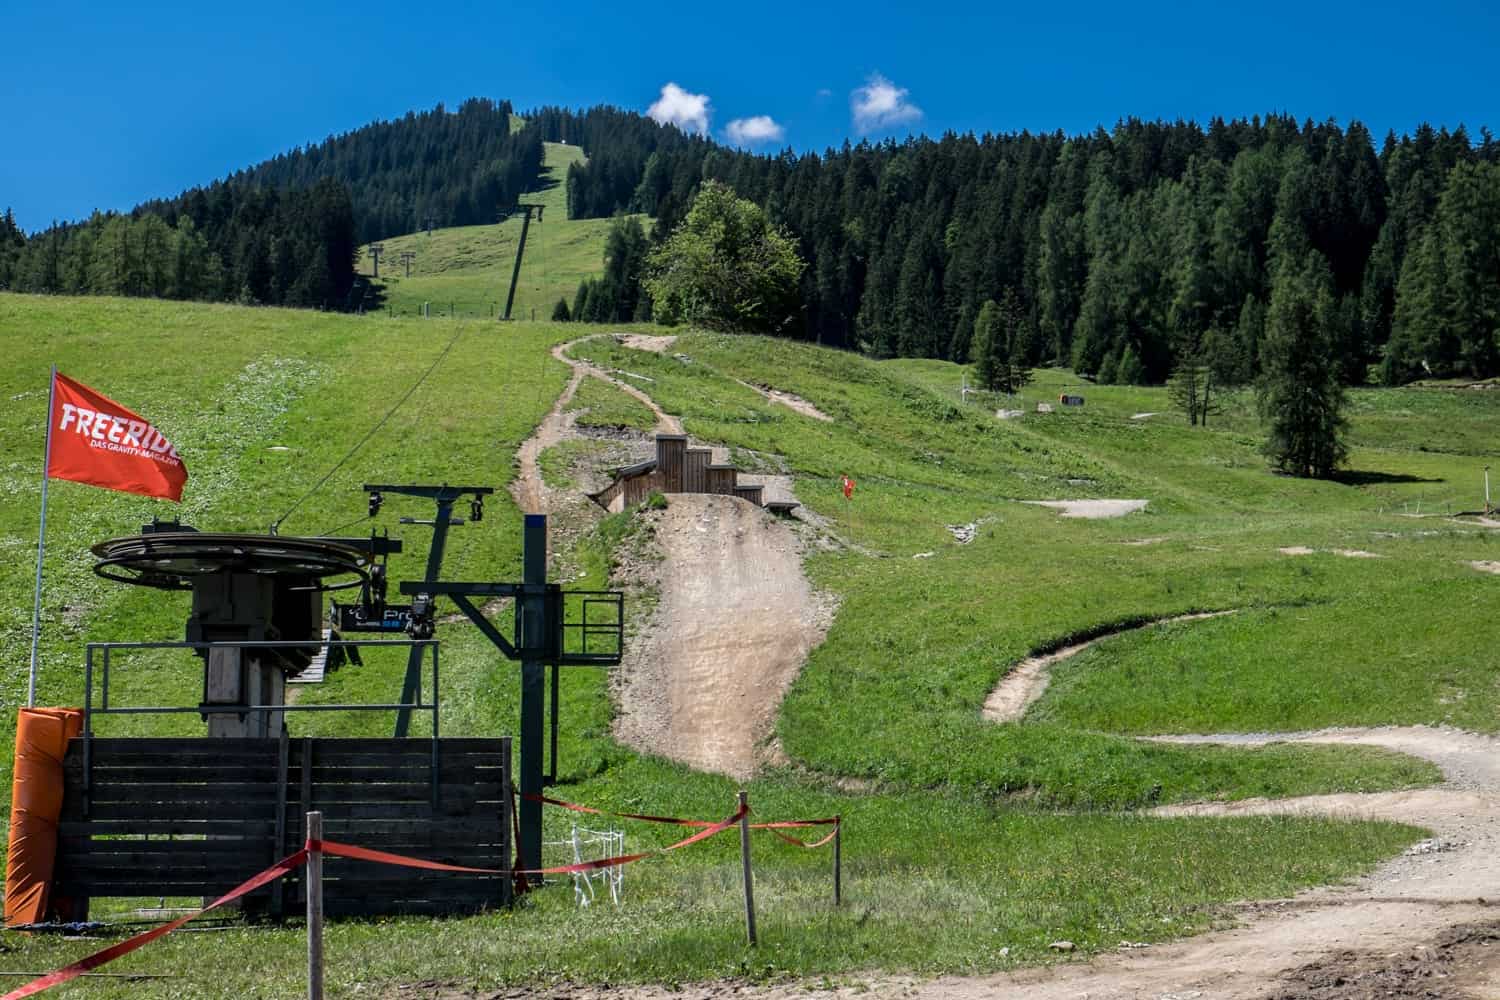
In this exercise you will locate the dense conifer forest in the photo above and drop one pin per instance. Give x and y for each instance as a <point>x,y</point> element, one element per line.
<point>1130,252</point>
<point>285,232</point>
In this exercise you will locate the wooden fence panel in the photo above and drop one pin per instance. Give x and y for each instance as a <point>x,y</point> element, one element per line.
<point>189,817</point>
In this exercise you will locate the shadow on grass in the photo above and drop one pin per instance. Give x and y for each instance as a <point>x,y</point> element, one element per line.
<point>1357,477</point>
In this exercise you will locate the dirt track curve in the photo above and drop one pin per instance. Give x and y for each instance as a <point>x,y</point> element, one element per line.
<point>528,488</point>
<point>1027,681</point>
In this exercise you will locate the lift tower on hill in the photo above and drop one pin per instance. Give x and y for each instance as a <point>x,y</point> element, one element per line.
<point>515,273</point>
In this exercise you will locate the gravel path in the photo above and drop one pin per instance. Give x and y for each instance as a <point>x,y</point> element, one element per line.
<point>530,492</point>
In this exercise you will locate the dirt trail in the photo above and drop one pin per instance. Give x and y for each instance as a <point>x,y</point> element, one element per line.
<point>528,488</point>
<point>1027,681</point>
<point>736,620</point>
<point>791,401</point>
<point>1422,925</point>
<point>736,616</point>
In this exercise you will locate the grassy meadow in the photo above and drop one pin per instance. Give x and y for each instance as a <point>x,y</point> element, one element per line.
<point>467,269</point>
<point>974,844</point>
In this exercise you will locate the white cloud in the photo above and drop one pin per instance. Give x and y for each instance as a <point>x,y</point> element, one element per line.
<point>676,106</point>
<point>748,131</point>
<point>881,104</point>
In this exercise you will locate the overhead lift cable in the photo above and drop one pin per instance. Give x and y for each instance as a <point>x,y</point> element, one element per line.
<point>276,525</point>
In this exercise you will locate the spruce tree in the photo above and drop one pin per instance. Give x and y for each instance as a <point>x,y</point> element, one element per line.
<point>1300,397</point>
<point>1012,353</point>
<point>560,313</point>
<point>987,333</point>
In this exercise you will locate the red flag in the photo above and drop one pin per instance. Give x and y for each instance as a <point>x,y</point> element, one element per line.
<point>97,441</point>
<point>848,487</point>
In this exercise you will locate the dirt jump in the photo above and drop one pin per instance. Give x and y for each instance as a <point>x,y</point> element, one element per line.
<point>735,622</point>
<point>735,619</point>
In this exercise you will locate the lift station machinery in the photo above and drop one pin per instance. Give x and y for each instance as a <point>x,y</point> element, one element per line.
<point>196,815</point>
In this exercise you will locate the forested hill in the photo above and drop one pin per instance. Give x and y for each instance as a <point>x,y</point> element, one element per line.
<point>1130,249</point>
<point>455,168</point>
<point>285,232</point>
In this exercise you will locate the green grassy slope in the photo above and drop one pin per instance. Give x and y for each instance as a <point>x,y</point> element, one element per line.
<point>468,269</point>
<point>919,642</point>
<point>953,860</point>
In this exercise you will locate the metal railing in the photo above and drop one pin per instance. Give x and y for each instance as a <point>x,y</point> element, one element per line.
<point>102,652</point>
<point>602,627</point>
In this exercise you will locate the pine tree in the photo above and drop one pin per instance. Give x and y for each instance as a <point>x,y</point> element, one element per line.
<point>560,312</point>
<point>1185,390</point>
<point>1108,370</point>
<point>1015,372</point>
<point>1300,397</point>
<point>581,299</point>
<point>983,348</point>
<point>1130,371</point>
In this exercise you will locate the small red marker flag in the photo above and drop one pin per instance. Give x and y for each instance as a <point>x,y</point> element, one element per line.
<point>848,487</point>
<point>97,441</point>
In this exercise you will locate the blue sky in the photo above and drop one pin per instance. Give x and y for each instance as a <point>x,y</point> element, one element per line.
<point>103,105</point>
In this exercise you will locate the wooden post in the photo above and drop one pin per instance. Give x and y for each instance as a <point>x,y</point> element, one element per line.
<point>838,860</point>
<point>314,878</point>
<point>745,860</point>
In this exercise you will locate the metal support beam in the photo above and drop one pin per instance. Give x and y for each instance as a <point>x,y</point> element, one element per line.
<point>413,679</point>
<point>552,722</point>
<point>490,632</point>
<point>533,614</point>
<point>445,496</point>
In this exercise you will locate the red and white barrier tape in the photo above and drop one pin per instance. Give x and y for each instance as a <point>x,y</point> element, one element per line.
<point>775,827</point>
<point>98,958</point>
<point>354,852</point>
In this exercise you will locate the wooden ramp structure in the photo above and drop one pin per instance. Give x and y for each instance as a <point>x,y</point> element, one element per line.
<point>678,468</point>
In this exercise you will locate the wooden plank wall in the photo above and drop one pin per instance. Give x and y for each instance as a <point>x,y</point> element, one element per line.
<point>195,817</point>
<point>721,479</point>
<point>746,491</point>
<point>670,452</point>
<point>695,470</point>
<point>638,488</point>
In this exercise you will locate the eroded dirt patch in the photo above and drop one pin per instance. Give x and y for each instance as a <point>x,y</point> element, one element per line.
<point>645,342</point>
<point>735,622</point>
<point>1303,550</point>
<point>1458,964</point>
<point>1091,509</point>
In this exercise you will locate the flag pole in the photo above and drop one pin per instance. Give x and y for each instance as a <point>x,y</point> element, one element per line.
<point>41,547</point>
